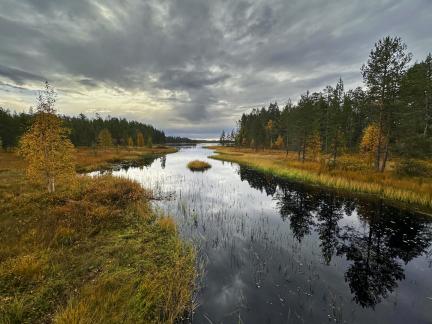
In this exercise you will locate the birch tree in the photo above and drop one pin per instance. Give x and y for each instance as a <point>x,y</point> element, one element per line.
<point>46,146</point>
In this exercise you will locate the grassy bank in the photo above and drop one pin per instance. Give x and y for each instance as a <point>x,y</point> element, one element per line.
<point>95,253</point>
<point>89,159</point>
<point>385,185</point>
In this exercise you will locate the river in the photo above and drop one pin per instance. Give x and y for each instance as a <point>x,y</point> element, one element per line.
<point>280,252</point>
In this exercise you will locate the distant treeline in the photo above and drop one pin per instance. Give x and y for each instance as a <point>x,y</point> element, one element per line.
<point>84,131</point>
<point>178,139</point>
<point>186,140</point>
<point>391,115</point>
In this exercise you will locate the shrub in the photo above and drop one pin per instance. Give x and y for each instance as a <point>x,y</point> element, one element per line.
<point>114,191</point>
<point>350,163</point>
<point>413,168</point>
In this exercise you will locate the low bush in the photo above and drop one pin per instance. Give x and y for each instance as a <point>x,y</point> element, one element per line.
<point>413,168</point>
<point>349,163</point>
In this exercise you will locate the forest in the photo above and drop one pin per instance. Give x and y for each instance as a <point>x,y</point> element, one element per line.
<point>390,116</point>
<point>84,131</point>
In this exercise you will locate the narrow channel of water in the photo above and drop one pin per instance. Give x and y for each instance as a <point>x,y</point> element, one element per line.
<point>278,252</point>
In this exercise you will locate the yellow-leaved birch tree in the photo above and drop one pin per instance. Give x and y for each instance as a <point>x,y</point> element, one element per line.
<point>139,139</point>
<point>46,147</point>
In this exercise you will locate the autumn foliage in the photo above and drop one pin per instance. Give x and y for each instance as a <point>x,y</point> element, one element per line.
<point>46,146</point>
<point>369,142</point>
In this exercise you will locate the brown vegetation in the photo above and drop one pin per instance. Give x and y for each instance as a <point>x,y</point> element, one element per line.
<point>93,254</point>
<point>352,173</point>
<point>198,165</point>
<point>89,159</point>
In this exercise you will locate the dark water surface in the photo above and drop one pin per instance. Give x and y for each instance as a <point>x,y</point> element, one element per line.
<point>278,252</point>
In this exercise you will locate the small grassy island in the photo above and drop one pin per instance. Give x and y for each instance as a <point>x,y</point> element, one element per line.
<point>198,165</point>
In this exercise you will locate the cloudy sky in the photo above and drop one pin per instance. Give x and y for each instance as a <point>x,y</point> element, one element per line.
<point>192,67</point>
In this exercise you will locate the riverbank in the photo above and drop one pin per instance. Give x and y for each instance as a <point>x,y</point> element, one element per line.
<point>417,191</point>
<point>89,159</point>
<point>93,253</point>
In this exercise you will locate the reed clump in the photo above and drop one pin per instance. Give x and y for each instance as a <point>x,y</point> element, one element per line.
<point>198,165</point>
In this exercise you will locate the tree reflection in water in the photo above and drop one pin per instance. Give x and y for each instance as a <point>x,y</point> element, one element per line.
<point>377,246</point>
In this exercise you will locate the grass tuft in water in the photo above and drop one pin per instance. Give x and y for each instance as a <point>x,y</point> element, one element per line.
<point>198,165</point>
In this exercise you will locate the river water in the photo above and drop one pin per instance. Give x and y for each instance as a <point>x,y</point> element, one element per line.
<point>280,252</point>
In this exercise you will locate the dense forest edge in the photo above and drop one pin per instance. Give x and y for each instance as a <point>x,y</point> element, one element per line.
<point>88,132</point>
<point>376,139</point>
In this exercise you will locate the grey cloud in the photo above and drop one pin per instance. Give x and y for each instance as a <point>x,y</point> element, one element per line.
<point>220,56</point>
<point>181,79</point>
<point>19,76</point>
<point>88,83</point>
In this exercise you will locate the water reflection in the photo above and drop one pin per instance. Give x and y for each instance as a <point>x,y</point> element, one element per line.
<point>278,252</point>
<point>163,161</point>
<point>386,236</point>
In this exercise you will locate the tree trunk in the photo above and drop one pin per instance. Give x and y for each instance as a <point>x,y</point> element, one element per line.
<point>304,150</point>
<point>326,127</point>
<point>378,152</point>
<point>384,162</point>
<point>51,184</point>
<point>427,117</point>
<point>335,148</point>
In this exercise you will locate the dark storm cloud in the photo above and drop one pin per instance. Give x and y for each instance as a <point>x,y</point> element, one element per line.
<point>206,60</point>
<point>18,76</point>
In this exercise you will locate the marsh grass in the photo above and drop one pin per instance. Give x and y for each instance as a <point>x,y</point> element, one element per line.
<point>352,176</point>
<point>89,159</point>
<point>198,165</point>
<point>93,254</point>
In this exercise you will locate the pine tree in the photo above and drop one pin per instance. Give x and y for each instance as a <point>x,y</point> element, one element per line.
<point>314,146</point>
<point>222,138</point>
<point>382,75</point>
<point>46,146</point>
<point>269,128</point>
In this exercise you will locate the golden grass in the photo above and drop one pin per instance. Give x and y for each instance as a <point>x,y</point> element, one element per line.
<point>89,159</point>
<point>198,165</point>
<point>386,185</point>
<point>92,254</point>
